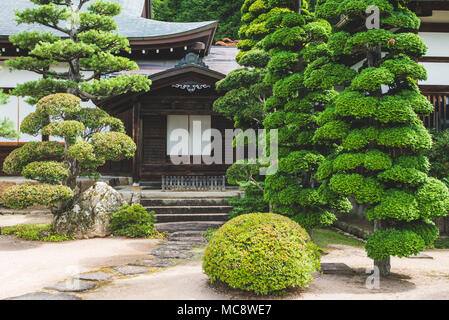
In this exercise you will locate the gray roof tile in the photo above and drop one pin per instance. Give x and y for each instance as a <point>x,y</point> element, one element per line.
<point>129,22</point>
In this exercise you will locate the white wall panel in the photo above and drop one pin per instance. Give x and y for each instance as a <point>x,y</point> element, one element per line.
<point>9,111</point>
<point>199,140</point>
<point>437,42</point>
<point>437,73</point>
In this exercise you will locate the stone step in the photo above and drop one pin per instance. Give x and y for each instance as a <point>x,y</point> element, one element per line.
<point>184,202</point>
<point>190,209</point>
<point>192,217</point>
<point>148,194</point>
<point>183,234</point>
<point>172,227</point>
<point>191,240</point>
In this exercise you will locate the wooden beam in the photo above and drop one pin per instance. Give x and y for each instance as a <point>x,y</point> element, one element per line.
<point>137,137</point>
<point>435,59</point>
<point>434,27</point>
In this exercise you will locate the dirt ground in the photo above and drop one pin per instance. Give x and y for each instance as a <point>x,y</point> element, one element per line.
<point>30,266</point>
<point>7,220</point>
<point>27,266</point>
<point>410,279</point>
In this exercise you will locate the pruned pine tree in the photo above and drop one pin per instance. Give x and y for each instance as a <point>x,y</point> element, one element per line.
<point>91,137</point>
<point>301,91</point>
<point>375,121</point>
<point>245,93</point>
<point>83,45</point>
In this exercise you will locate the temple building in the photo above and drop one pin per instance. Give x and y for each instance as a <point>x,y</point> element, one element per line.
<point>183,65</point>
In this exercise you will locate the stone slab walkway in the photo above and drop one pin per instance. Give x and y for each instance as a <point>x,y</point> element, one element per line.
<point>29,266</point>
<point>157,259</point>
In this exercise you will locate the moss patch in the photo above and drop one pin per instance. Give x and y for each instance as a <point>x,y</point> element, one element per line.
<point>35,232</point>
<point>325,237</point>
<point>442,243</point>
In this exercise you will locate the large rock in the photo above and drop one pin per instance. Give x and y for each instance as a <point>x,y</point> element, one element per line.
<point>91,213</point>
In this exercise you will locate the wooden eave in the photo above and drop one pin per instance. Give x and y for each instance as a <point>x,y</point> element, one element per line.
<point>165,79</point>
<point>204,34</point>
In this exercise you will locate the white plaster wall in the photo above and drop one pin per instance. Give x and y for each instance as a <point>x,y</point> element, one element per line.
<point>437,73</point>
<point>17,109</point>
<point>437,42</point>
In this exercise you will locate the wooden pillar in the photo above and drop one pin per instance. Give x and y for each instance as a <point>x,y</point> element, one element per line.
<point>147,10</point>
<point>137,137</point>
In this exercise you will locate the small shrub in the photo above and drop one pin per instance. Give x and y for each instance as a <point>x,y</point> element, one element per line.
<point>134,222</point>
<point>35,232</point>
<point>439,155</point>
<point>264,253</point>
<point>209,233</point>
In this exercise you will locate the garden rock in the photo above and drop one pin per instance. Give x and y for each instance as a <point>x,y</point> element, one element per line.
<point>91,213</point>
<point>45,296</point>
<point>130,270</point>
<point>94,276</point>
<point>171,254</point>
<point>336,268</point>
<point>72,286</point>
<point>156,263</point>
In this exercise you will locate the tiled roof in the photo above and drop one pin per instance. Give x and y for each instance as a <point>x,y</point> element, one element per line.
<point>220,59</point>
<point>129,22</point>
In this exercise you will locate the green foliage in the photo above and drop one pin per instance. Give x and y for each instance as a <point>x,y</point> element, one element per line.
<point>113,146</point>
<point>325,238</point>
<point>252,201</point>
<point>35,232</point>
<point>7,129</point>
<point>433,199</point>
<point>439,155</point>
<point>64,129</point>
<point>261,252</point>
<point>364,190</point>
<point>134,222</point>
<point>385,243</point>
<point>32,151</point>
<point>380,161</point>
<point>227,13</point>
<point>209,233</point>
<point>426,229</point>
<point>88,144</point>
<point>87,43</point>
<point>247,177</point>
<point>46,171</point>
<point>396,204</point>
<point>371,79</point>
<point>27,195</point>
<point>303,77</point>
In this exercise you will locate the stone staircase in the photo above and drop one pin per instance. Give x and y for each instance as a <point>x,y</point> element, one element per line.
<point>186,215</point>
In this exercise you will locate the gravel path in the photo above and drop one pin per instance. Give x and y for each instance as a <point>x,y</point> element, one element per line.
<point>27,266</point>
<point>411,279</point>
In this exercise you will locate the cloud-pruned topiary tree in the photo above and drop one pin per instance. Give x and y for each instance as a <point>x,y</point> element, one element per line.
<point>375,121</point>
<point>245,92</point>
<point>91,137</point>
<point>301,90</point>
<point>84,45</point>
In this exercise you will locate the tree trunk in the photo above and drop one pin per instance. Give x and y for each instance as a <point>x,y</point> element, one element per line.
<point>384,265</point>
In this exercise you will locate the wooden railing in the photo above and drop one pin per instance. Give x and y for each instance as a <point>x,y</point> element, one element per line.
<point>193,183</point>
<point>439,119</point>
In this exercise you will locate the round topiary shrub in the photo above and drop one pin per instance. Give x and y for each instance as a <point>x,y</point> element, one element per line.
<point>264,253</point>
